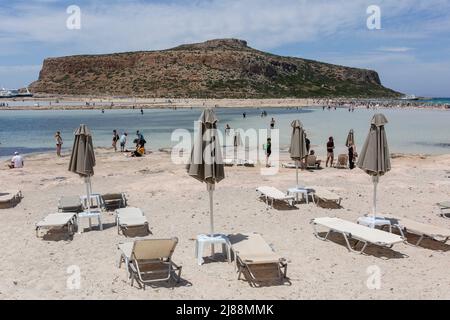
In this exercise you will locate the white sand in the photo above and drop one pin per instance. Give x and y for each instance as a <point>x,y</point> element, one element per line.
<point>177,205</point>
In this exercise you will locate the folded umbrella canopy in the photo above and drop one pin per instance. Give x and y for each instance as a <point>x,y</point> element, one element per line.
<point>350,139</point>
<point>298,144</point>
<point>206,164</point>
<point>82,159</point>
<point>374,158</point>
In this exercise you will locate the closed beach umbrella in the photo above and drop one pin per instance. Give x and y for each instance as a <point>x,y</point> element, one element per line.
<point>298,144</point>
<point>374,158</point>
<point>206,164</point>
<point>82,159</point>
<point>350,139</point>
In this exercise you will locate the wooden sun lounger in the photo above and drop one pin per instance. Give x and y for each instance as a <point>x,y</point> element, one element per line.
<point>130,218</point>
<point>421,229</point>
<point>256,259</point>
<point>150,260</point>
<point>350,230</point>
<point>271,194</point>
<point>58,221</point>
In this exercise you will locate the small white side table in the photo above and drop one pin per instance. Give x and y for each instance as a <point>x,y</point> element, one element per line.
<point>372,223</point>
<point>91,214</point>
<point>305,192</point>
<point>205,240</point>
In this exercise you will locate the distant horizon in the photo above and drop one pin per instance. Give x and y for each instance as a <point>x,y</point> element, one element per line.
<point>408,50</point>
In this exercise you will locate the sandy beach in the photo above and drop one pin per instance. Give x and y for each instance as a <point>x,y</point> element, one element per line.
<point>177,205</point>
<point>50,102</point>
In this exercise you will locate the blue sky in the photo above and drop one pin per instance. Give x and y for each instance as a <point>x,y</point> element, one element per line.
<point>411,51</point>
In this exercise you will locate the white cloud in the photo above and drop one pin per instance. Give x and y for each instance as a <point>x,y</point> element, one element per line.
<point>395,49</point>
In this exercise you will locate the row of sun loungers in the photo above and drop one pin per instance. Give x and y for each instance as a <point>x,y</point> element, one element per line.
<point>70,209</point>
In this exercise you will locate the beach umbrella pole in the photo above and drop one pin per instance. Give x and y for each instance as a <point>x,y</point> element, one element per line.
<point>210,188</point>
<point>375,180</point>
<point>296,171</point>
<point>87,181</point>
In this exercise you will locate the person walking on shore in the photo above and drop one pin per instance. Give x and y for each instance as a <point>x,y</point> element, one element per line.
<point>115,139</point>
<point>59,143</point>
<point>330,151</point>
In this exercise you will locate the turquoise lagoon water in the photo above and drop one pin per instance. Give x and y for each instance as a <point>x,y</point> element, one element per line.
<point>409,131</point>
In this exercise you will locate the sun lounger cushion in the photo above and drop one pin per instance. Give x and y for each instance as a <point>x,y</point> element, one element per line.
<point>326,195</point>
<point>252,248</point>
<point>274,193</point>
<point>359,232</point>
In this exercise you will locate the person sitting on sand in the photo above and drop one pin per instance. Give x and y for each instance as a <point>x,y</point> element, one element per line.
<point>16,161</point>
<point>139,152</point>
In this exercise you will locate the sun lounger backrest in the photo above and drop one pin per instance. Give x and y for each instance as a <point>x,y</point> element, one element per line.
<point>343,159</point>
<point>311,160</point>
<point>152,249</point>
<point>69,201</point>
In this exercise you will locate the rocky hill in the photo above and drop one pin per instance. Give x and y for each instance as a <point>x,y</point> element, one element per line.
<point>224,68</point>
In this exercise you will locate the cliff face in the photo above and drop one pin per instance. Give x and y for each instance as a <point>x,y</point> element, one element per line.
<point>214,69</point>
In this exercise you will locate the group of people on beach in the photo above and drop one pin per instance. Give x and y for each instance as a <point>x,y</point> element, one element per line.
<point>122,140</point>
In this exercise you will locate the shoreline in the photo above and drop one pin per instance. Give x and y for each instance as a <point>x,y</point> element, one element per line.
<point>114,103</point>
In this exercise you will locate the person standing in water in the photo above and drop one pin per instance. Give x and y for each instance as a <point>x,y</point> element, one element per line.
<point>330,151</point>
<point>142,111</point>
<point>115,139</point>
<point>59,143</point>
<point>272,123</point>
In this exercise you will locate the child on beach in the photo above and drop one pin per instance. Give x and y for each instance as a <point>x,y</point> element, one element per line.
<point>59,143</point>
<point>123,141</point>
